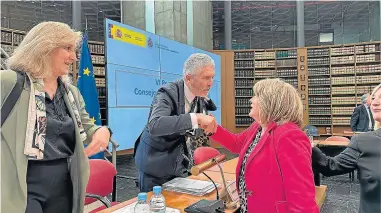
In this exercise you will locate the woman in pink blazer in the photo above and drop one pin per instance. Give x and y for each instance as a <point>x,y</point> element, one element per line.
<point>274,171</point>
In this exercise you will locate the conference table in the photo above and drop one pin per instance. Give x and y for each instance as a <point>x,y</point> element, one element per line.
<point>181,201</point>
<point>347,134</point>
<point>331,143</point>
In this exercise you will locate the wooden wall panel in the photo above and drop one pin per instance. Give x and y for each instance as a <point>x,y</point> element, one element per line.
<point>228,98</point>
<point>227,91</point>
<point>303,81</point>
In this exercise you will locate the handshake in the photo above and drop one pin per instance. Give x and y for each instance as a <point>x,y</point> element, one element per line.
<point>207,122</point>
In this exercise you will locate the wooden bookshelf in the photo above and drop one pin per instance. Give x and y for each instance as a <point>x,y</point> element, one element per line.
<point>330,80</point>
<point>319,92</point>
<point>352,70</point>
<point>10,39</point>
<point>252,66</point>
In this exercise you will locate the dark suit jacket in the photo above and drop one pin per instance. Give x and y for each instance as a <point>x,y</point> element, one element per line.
<point>363,154</point>
<point>157,148</point>
<point>360,119</point>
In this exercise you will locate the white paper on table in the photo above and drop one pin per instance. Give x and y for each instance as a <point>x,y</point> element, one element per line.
<point>186,183</point>
<point>130,209</point>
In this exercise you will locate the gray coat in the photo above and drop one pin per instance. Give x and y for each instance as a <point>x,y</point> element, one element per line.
<point>362,154</point>
<point>13,161</point>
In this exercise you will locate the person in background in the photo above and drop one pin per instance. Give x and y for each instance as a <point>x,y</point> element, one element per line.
<point>363,154</point>
<point>362,119</point>
<point>274,171</point>
<point>44,166</point>
<point>164,150</point>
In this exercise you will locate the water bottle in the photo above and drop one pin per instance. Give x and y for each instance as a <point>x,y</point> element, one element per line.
<point>142,205</point>
<point>157,202</point>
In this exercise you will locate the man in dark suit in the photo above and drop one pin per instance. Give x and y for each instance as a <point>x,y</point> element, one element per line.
<point>362,119</point>
<point>178,110</point>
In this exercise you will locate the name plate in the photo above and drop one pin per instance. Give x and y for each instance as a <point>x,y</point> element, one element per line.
<point>232,190</point>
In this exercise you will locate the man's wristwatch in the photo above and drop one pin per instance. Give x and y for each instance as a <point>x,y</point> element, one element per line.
<point>109,130</point>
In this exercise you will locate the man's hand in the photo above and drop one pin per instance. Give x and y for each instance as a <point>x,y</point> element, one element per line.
<point>99,143</point>
<point>207,122</point>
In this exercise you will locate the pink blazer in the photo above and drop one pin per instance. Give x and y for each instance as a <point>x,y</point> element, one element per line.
<point>278,173</point>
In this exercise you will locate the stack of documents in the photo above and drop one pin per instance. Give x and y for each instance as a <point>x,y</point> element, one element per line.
<point>189,186</point>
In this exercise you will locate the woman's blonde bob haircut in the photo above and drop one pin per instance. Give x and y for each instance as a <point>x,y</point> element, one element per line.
<point>377,124</point>
<point>33,53</point>
<point>278,102</point>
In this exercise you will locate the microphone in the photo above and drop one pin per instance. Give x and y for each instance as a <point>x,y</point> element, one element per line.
<point>227,197</point>
<point>196,170</point>
<point>207,206</point>
<point>215,186</point>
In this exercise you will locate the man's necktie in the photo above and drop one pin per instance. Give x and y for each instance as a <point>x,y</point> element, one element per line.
<point>190,134</point>
<point>193,104</point>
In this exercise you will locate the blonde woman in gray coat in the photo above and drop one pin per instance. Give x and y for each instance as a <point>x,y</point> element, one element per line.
<point>44,166</point>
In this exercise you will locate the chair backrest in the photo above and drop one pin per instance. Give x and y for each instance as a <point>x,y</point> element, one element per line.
<point>204,153</point>
<point>337,138</point>
<point>101,179</point>
<point>311,130</point>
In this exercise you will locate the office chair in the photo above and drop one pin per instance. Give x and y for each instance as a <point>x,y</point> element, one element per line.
<point>101,183</point>
<point>204,153</point>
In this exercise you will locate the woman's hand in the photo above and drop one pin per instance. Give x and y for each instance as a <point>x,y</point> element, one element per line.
<point>99,143</point>
<point>207,122</point>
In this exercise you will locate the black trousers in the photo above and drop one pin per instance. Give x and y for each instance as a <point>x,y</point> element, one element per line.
<point>49,186</point>
<point>146,182</point>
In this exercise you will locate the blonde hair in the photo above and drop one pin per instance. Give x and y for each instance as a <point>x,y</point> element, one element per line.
<point>33,53</point>
<point>377,124</point>
<point>375,90</point>
<point>278,102</point>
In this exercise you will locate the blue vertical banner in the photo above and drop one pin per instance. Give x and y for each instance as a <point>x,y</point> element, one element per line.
<point>88,88</point>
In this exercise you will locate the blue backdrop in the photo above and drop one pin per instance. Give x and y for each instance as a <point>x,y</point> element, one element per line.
<point>138,63</point>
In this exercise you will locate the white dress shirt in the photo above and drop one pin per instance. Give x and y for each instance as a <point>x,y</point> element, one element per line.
<point>189,99</point>
<point>369,118</point>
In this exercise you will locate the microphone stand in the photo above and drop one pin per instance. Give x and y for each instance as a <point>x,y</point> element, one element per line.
<point>225,194</point>
<point>215,186</point>
<point>224,197</point>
